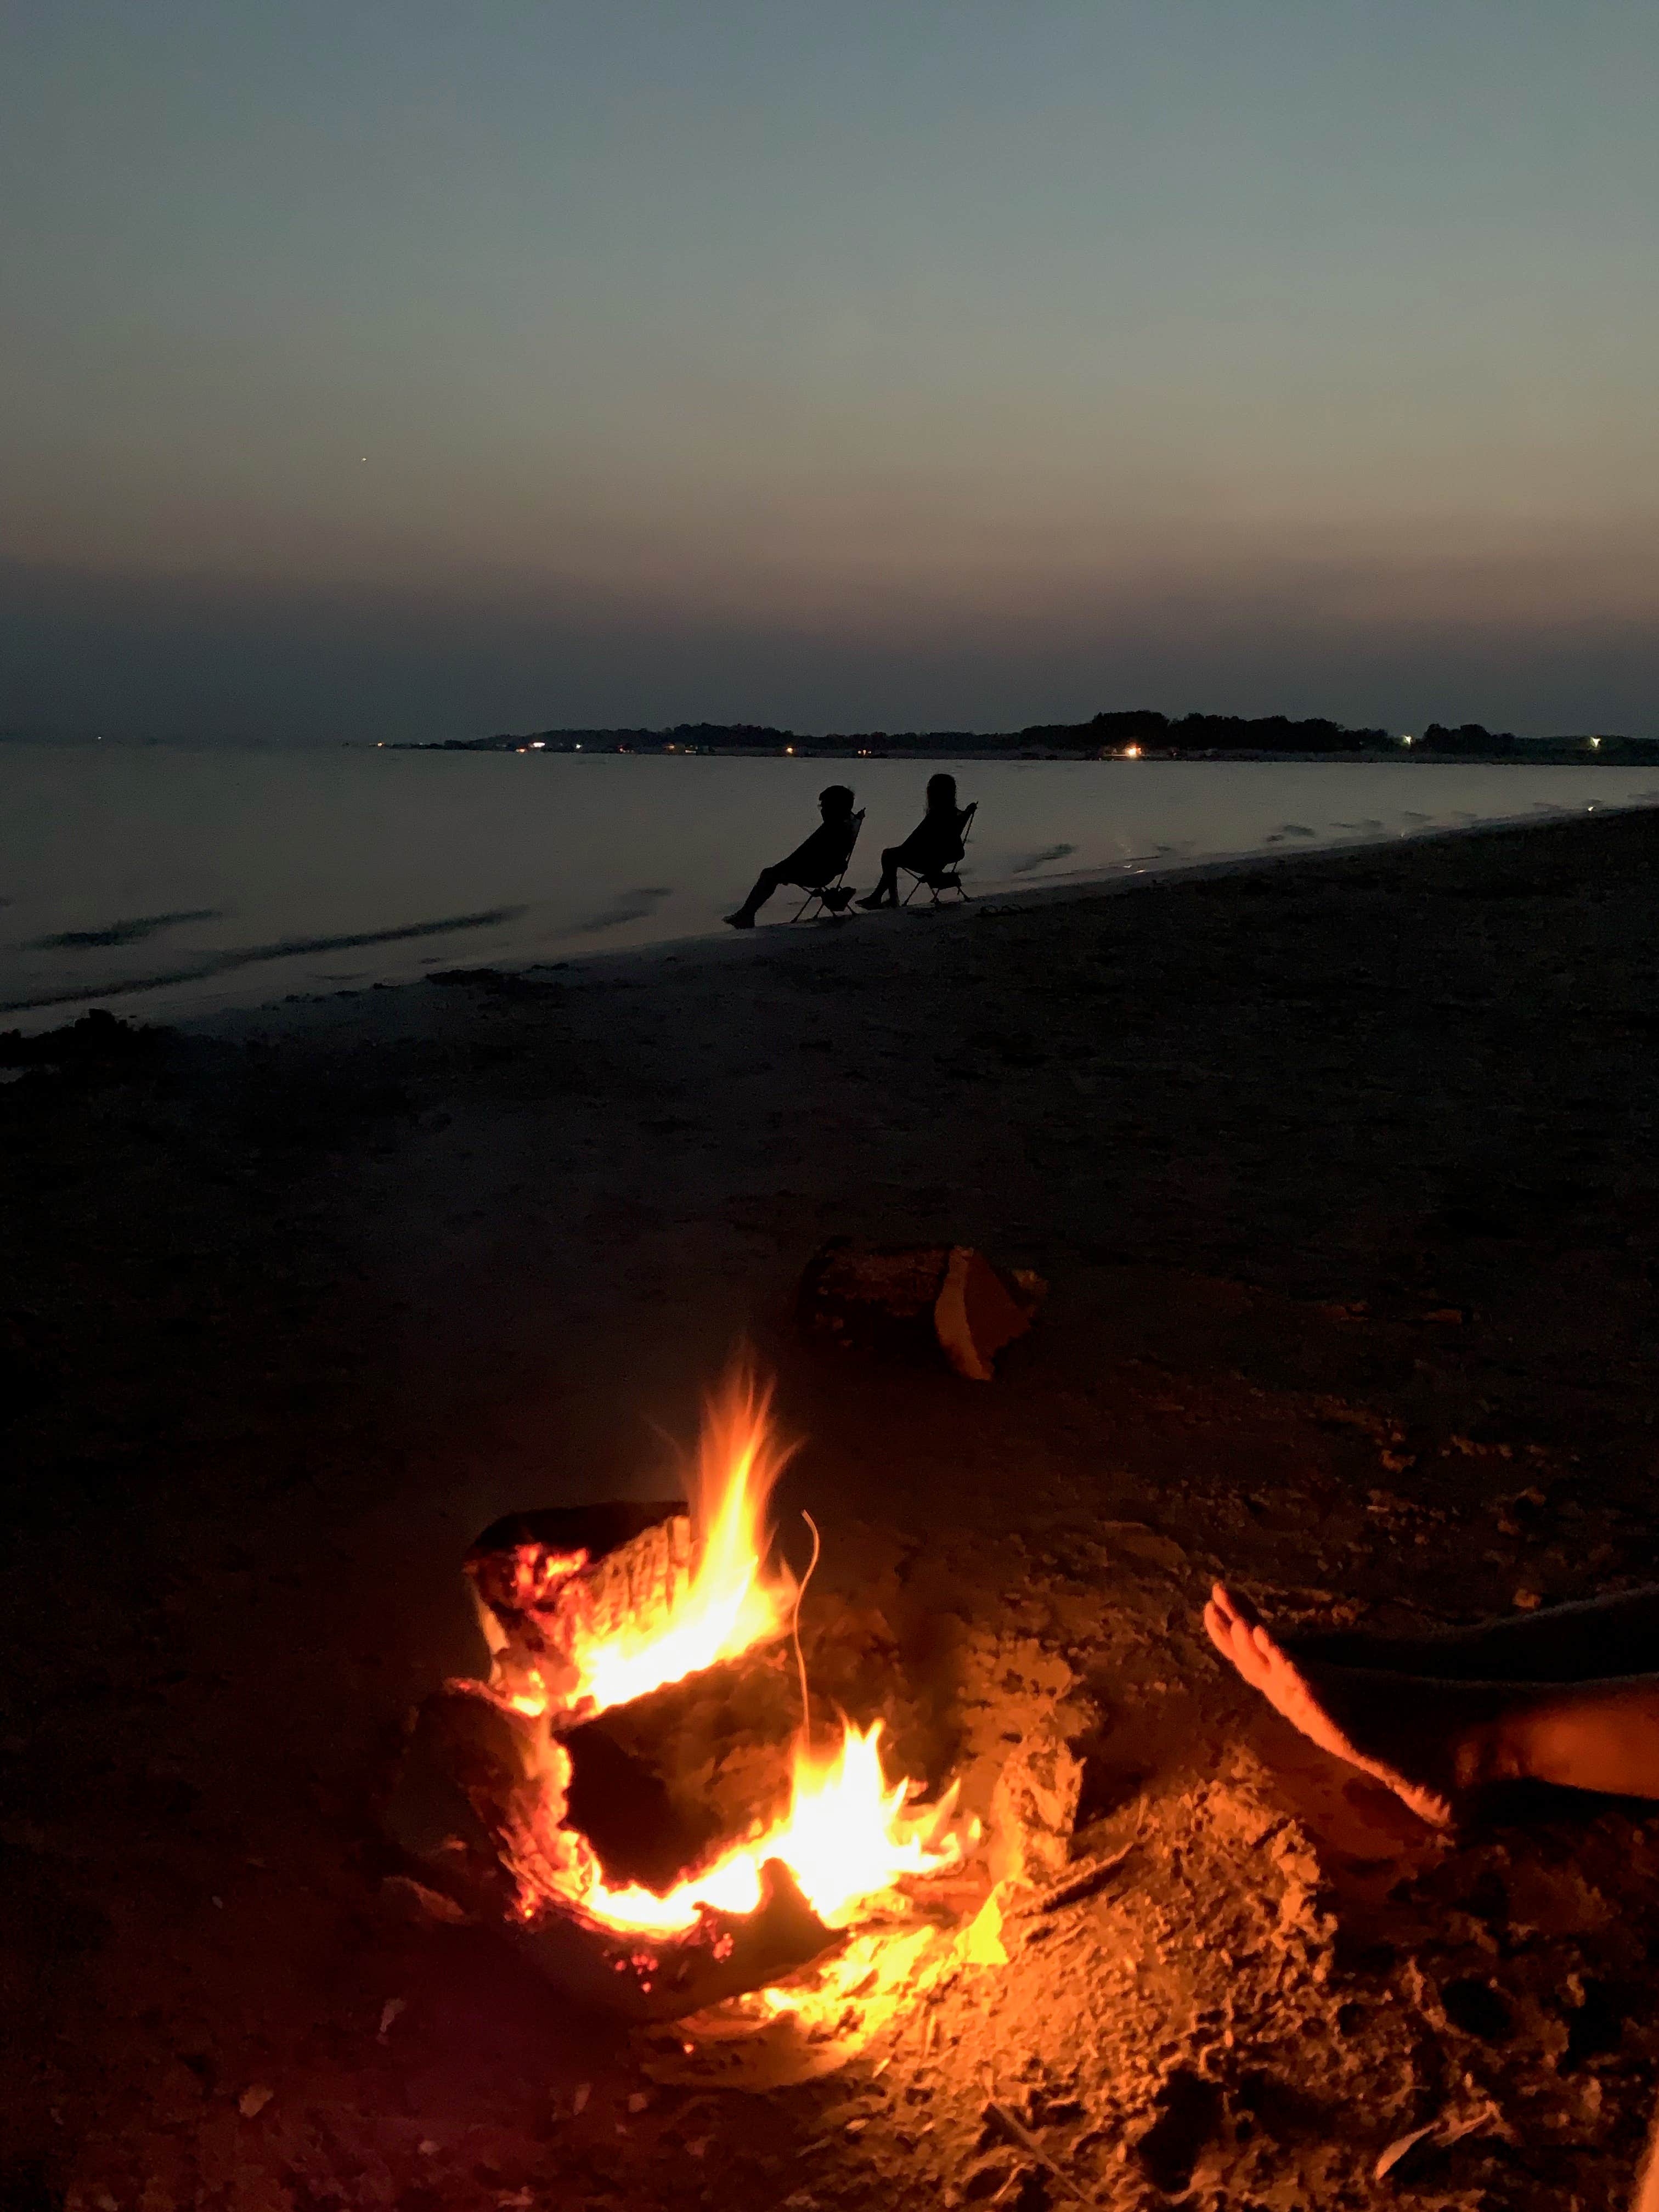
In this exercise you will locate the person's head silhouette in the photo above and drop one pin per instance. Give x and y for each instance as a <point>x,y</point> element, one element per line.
<point>836,801</point>
<point>941,794</point>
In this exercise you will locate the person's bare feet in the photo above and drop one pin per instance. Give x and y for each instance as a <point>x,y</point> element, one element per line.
<point>1302,1694</point>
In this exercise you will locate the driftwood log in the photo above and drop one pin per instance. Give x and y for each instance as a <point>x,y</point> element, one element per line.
<point>928,1302</point>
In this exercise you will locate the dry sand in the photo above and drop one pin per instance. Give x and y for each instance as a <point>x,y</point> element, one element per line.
<point>1342,1171</point>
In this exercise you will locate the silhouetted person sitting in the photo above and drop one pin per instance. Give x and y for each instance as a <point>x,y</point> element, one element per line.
<point>934,845</point>
<point>819,861</point>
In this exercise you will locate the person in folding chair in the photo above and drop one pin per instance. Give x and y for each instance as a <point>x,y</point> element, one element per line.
<point>815,866</point>
<point>931,851</point>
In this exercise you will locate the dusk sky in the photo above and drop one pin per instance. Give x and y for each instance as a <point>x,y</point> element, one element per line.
<point>417,370</point>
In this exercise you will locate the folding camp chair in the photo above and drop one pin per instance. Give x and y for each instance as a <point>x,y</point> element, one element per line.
<point>938,880</point>
<point>833,897</point>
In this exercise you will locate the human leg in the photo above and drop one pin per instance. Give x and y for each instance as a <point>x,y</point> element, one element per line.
<point>1589,1735</point>
<point>1408,1745</point>
<point>1432,1739</point>
<point>886,890</point>
<point>765,883</point>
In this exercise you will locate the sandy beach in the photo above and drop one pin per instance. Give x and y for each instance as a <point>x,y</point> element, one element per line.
<point>1341,1170</point>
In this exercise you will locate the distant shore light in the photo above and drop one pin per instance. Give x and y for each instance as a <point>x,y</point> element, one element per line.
<point>1407,740</point>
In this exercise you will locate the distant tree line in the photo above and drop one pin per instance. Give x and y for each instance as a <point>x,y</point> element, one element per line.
<point>1154,732</point>
<point>1113,732</point>
<point>1142,726</point>
<point>684,734</point>
<point>1468,740</point>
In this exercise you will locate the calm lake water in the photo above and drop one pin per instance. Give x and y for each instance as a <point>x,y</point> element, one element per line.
<point>172,880</point>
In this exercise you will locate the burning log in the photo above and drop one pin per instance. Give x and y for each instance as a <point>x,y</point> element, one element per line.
<point>657,1977</point>
<point>918,1300</point>
<point>550,1585</point>
<point>465,1759</point>
<point>696,1760</point>
<point>479,1804</point>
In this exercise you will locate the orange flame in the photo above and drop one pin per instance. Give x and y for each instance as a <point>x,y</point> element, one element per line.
<point>846,1836</point>
<point>732,1604</point>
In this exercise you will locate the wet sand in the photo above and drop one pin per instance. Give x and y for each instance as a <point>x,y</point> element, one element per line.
<point>1342,1172</point>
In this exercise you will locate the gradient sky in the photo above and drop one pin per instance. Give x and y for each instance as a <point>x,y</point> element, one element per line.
<point>392,368</point>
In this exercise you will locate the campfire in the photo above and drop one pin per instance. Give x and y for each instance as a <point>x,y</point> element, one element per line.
<point>637,1791</point>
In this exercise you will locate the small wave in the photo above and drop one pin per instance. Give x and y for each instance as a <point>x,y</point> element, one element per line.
<point>626,907</point>
<point>121,932</point>
<point>249,956</point>
<point>1045,859</point>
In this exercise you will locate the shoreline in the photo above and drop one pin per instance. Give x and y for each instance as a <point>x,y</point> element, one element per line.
<point>42,1017</point>
<point>716,947</point>
<point>1342,1179</point>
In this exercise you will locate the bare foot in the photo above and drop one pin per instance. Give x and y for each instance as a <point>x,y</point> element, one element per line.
<point>739,920</point>
<point>1302,1695</point>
